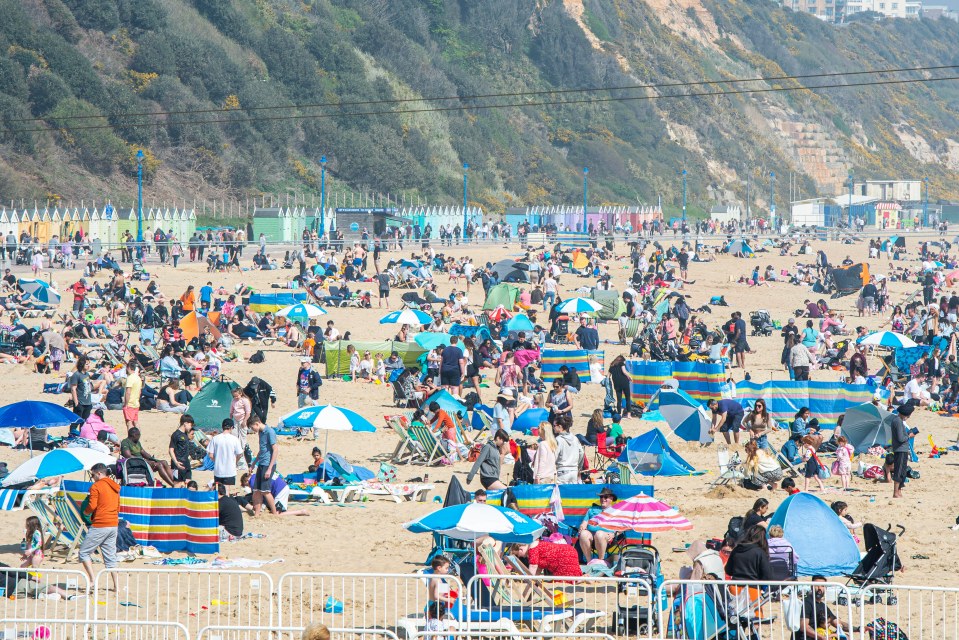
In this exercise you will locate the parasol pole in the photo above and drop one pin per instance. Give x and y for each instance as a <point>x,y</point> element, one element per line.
<point>326,453</point>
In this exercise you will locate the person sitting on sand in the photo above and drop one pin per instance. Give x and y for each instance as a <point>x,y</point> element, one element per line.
<point>130,447</point>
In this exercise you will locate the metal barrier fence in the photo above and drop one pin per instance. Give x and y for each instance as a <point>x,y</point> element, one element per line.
<point>614,606</point>
<point>193,597</point>
<point>355,600</point>
<point>57,597</point>
<point>921,613</point>
<point>215,632</point>
<point>505,635</point>
<point>696,609</point>
<point>41,629</point>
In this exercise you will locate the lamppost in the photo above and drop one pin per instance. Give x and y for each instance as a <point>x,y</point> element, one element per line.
<point>925,204</point>
<point>772,200</point>
<point>466,168</point>
<point>585,197</point>
<point>140,204</point>
<point>850,198</point>
<point>684,195</point>
<point>322,196</point>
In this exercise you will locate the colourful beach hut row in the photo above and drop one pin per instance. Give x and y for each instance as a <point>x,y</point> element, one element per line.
<point>286,224</point>
<point>105,224</point>
<point>629,217</point>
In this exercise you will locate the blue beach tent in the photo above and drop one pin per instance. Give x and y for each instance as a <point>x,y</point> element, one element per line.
<point>820,539</point>
<point>650,455</point>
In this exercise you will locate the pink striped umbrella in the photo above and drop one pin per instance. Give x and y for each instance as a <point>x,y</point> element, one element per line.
<point>642,514</point>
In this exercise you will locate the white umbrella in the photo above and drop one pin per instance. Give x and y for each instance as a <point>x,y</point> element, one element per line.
<point>889,339</point>
<point>579,305</point>
<point>301,311</point>
<point>58,462</point>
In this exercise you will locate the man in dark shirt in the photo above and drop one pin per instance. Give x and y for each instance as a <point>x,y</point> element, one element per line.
<point>740,346</point>
<point>816,615</point>
<point>180,449</point>
<point>900,447</point>
<point>587,337</point>
<point>571,379</point>
<point>727,417</point>
<point>231,514</point>
<point>869,298</point>
<point>453,367</point>
<point>265,325</point>
<point>789,330</point>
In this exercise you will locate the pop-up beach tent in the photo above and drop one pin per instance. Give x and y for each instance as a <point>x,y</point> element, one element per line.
<point>613,305</point>
<point>650,455</point>
<point>820,539</point>
<point>739,247</point>
<point>211,404</point>
<point>503,295</point>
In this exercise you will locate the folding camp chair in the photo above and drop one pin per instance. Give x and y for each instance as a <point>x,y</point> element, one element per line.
<point>407,449</point>
<point>71,527</point>
<point>433,447</point>
<point>730,467</point>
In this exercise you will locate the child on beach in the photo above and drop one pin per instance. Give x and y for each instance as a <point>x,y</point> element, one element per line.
<point>380,369</point>
<point>841,509</point>
<point>435,623</point>
<point>354,362</point>
<point>842,467</point>
<point>811,460</point>
<point>32,544</point>
<point>316,631</point>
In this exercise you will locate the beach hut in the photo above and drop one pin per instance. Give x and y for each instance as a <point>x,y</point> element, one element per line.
<point>25,224</point>
<point>6,224</point>
<point>269,222</point>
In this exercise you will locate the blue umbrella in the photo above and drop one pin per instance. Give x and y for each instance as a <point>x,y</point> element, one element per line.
<point>519,322</point>
<point>328,418</point>
<point>415,264</point>
<point>429,340</point>
<point>35,414</point>
<point>58,462</point>
<point>474,520</point>
<point>40,290</point>
<point>579,305</point>
<point>407,316</point>
<point>302,312</point>
<point>684,414</point>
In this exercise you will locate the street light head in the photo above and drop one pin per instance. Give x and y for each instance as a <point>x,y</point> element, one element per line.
<point>585,170</point>
<point>772,174</point>
<point>322,159</point>
<point>465,166</point>
<point>139,154</point>
<point>684,172</point>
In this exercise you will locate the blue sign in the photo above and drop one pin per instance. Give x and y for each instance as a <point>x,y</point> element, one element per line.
<point>355,226</point>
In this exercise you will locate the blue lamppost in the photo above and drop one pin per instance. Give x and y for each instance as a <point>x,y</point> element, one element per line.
<point>140,204</point>
<point>585,197</point>
<point>322,196</point>
<point>684,195</point>
<point>466,168</point>
<point>850,198</point>
<point>925,204</point>
<point>772,200</point>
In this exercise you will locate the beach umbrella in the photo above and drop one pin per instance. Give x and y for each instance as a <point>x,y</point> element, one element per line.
<point>429,340</point>
<point>867,425</point>
<point>58,462</point>
<point>301,312</point>
<point>519,322</point>
<point>499,314</point>
<point>193,325</point>
<point>36,414</point>
<point>474,520</point>
<point>40,290</point>
<point>414,264</point>
<point>642,514</point>
<point>327,418</point>
<point>686,416</point>
<point>888,339</point>
<point>579,305</point>
<point>407,316</point>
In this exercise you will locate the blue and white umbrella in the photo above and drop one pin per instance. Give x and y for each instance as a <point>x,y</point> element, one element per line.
<point>326,418</point>
<point>40,290</point>
<point>407,316</point>
<point>579,305</point>
<point>889,339</point>
<point>58,462</point>
<point>474,520</point>
<point>685,415</point>
<point>301,312</point>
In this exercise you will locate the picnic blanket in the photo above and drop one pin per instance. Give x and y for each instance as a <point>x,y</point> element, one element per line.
<point>701,380</point>
<point>826,400</point>
<point>167,519</point>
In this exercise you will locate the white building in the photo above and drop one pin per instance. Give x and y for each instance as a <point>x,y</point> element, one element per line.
<point>888,8</point>
<point>724,213</point>
<point>889,190</point>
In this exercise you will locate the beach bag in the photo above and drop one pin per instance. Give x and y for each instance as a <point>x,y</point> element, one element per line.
<point>873,473</point>
<point>258,357</point>
<point>125,538</point>
<point>834,468</point>
<point>881,629</point>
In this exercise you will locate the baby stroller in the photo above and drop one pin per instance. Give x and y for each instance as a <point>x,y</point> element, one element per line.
<point>878,566</point>
<point>642,563</point>
<point>834,357</point>
<point>761,323</point>
<point>136,472</point>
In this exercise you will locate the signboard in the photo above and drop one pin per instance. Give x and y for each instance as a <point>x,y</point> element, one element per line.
<point>355,226</point>
<point>368,210</point>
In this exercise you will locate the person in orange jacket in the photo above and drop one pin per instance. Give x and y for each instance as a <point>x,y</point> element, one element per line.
<point>103,505</point>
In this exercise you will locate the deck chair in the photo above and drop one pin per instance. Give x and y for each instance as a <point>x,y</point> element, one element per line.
<point>730,467</point>
<point>433,446</point>
<point>71,527</point>
<point>407,449</point>
<point>625,473</point>
<point>39,507</point>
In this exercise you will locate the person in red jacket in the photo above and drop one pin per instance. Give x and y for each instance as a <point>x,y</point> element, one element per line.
<point>103,505</point>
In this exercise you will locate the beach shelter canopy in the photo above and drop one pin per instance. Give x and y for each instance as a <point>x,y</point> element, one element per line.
<point>687,417</point>
<point>479,333</point>
<point>579,259</point>
<point>822,542</point>
<point>850,279</point>
<point>867,425</point>
<point>642,514</point>
<point>512,271</point>
<point>58,462</point>
<point>211,405</point>
<point>429,340</point>
<point>529,419</point>
<point>503,294</point>
<point>651,455</point>
<point>519,322</point>
<point>194,325</point>
<point>739,246</point>
<point>474,520</point>
<point>612,305</point>
<point>447,402</point>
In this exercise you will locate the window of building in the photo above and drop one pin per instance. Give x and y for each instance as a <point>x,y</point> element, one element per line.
<point>895,5</point>
<point>882,5</point>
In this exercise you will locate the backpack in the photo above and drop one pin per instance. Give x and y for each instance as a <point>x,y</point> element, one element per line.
<point>523,467</point>
<point>734,529</point>
<point>880,629</point>
<point>258,357</point>
<point>471,400</point>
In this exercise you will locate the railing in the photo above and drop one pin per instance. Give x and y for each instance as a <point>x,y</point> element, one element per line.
<point>188,604</point>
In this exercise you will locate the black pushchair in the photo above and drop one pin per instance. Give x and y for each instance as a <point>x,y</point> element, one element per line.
<point>761,323</point>
<point>879,565</point>
<point>642,563</point>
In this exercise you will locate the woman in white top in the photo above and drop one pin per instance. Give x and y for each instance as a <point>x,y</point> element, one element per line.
<point>544,458</point>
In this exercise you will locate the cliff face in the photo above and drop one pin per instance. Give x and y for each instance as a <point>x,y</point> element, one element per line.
<point>252,92</point>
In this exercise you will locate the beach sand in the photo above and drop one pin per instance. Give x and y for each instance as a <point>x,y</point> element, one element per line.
<point>369,536</point>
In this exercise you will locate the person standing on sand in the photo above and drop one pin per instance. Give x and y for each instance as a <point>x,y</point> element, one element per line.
<point>900,448</point>
<point>104,505</point>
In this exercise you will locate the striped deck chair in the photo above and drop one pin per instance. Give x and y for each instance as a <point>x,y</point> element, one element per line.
<point>407,449</point>
<point>632,328</point>
<point>71,527</point>
<point>433,446</point>
<point>39,507</point>
<point>625,473</point>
